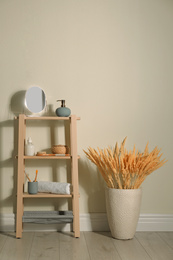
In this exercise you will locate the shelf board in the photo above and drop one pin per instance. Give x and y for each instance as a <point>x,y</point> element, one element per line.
<point>47,217</point>
<point>48,157</point>
<point>47,118</point>
<point>46,195</point>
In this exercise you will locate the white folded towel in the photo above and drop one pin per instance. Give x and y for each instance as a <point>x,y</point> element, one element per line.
<point>54,187</point>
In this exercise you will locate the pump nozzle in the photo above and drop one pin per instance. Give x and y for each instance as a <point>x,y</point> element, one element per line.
<point>62,102</point>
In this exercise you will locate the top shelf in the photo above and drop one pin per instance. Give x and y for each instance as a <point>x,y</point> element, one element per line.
<point>47,118</point>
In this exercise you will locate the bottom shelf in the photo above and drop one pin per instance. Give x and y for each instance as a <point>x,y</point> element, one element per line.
<point>47,217</point>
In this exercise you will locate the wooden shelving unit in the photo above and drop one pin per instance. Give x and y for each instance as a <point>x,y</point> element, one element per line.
<point>21,169</point>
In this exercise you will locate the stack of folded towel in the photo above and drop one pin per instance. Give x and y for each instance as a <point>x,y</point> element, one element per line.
<point>54,187</point>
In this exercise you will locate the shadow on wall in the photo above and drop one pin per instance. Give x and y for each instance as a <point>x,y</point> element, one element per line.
<point>17,103</point>
<point>16,106</point>
<point>93,185</point>
<point>11,162</point>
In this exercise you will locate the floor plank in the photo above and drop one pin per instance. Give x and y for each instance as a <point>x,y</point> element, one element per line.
<point>45,246</point>
<point>167,237</point>
<point>130,249</point>
<point>90,246</point>
<point>100,246</point>
<point>73,248</point>
<point>155,246</point>
<point>17,249</point>
<point>3,238</point>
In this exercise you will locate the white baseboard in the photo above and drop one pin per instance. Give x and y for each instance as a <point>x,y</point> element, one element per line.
<point>92,222</point>
<point>7,222</point>
<point>155,222</point>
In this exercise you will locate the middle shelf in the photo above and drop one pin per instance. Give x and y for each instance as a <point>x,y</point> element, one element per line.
<point>46,195</point>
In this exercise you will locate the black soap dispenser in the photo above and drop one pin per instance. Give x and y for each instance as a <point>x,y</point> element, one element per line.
<point>63,111</point>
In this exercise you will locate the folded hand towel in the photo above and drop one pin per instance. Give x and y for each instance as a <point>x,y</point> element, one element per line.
<point>54,187</point>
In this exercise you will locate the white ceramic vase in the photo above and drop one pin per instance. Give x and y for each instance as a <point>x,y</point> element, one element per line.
<point>123,208</point>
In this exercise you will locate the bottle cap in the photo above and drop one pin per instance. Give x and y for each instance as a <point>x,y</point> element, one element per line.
<point>29,140</point>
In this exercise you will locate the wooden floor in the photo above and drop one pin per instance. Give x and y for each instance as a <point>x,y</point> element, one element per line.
<point>91,245</point>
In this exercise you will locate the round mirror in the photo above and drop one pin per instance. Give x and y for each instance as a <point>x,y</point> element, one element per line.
<point>35,100</point>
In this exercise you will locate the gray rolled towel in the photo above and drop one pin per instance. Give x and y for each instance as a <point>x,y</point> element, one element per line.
<point>54,187</point>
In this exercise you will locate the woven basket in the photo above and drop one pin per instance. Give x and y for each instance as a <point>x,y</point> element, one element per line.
<point>59,149</point>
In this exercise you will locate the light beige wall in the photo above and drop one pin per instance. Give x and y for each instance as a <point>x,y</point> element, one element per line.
<point>112,62</point>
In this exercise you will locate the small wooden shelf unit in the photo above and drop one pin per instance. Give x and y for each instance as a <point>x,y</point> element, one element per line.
<point>21,195</point>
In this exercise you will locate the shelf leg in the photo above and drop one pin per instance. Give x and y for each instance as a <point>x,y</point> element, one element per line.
<point>74,172</point>
<point>76,227</point>
<point>20,175</point>
<point>19,220</point>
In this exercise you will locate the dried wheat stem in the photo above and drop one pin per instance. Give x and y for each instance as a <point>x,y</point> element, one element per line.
<point>122,169</point>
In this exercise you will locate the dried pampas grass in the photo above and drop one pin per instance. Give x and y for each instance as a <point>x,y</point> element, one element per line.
<point>122,169</point>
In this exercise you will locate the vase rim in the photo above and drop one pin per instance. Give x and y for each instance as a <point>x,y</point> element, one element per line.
<point>140,188</point>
